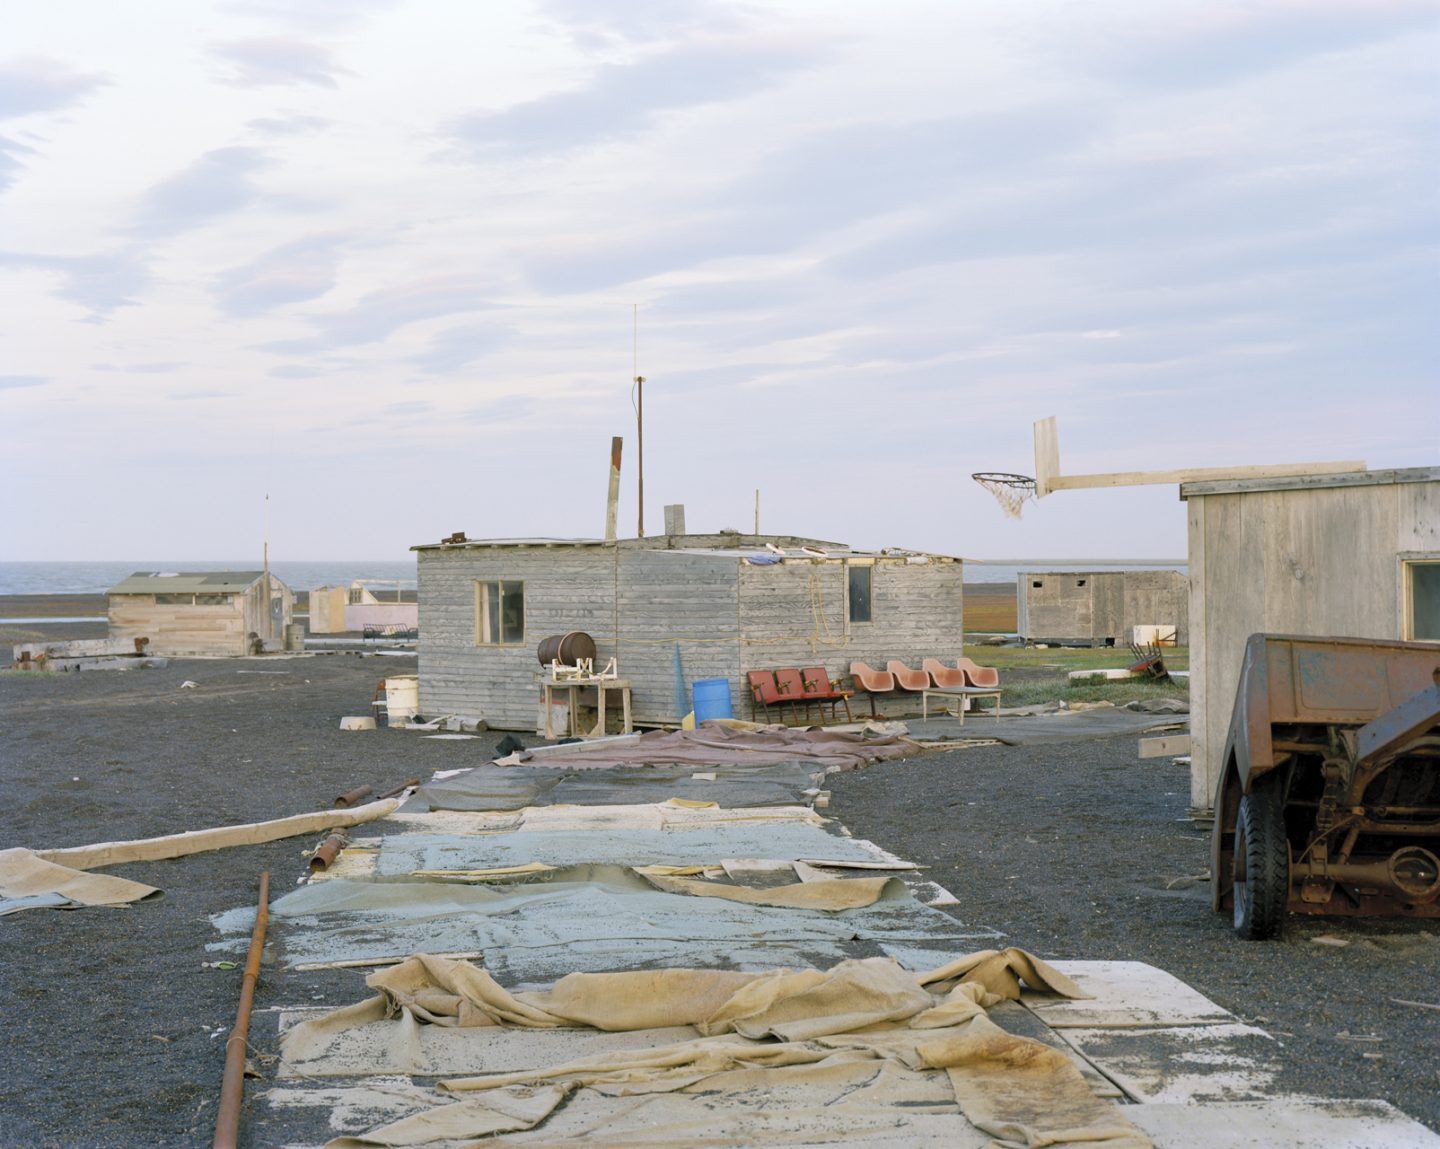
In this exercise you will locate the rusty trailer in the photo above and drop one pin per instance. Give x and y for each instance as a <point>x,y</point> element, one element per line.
<point>1329,802</point>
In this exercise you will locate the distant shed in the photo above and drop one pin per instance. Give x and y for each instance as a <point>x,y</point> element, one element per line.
<point>727,602</point>
<point>201,612</point>
<point>1355,555</point>
<point>1100,608</point>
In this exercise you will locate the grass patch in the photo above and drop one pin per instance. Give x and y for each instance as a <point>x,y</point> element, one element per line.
<point>1063,659</point>
<point>1029,676</point>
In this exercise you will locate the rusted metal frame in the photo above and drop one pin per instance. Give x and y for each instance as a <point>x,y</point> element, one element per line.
<point>232,1087</point>
<point>1387,735</point>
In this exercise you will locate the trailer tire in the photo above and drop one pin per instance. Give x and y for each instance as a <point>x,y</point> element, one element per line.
<point>1261,866</point>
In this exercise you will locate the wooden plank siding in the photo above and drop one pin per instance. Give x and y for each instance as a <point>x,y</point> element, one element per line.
<point>638,604</point>
<point>1306,561</point>
<point>1094,607</point>
<point>794,613</point>
<point>180,629</point>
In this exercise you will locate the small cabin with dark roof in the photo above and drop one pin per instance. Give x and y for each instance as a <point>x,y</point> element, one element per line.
<point>671,609</point>
<point>205,613</point>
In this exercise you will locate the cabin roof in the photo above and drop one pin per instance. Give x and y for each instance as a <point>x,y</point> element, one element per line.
<point>746,546</point>
<point>187,582</point>
<point>1311,482</point>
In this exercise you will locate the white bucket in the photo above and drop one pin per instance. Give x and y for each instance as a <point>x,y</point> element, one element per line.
<point>402,698</point>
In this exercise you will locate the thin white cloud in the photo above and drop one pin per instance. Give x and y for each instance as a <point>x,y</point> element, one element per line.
<point>218,183</point>
<point>266,61</point>
<point>34,84</point>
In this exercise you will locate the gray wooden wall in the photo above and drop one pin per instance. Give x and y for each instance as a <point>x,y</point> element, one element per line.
<point>1309,562</point>
<point>1093,606</point>
<point>181,629</point>
<point>639,604</point>
<point>794,614</point>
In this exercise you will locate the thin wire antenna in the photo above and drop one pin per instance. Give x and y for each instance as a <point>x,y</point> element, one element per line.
<point>637,400</point>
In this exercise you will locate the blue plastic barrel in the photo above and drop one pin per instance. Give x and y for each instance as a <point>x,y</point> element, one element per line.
<point>712,699</point>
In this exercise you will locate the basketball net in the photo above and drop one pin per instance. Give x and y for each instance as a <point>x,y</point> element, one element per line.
<point>1010,491</point>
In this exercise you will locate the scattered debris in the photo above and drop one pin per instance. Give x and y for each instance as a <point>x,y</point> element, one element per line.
<point>188,685</point>
<point>358,722</point>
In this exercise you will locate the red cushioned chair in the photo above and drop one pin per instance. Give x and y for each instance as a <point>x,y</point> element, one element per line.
<point>792,687</point>
<point>819,688</point>
<point>762,691</point>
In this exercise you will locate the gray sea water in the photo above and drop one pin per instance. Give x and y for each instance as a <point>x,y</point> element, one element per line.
<point>98,577</point>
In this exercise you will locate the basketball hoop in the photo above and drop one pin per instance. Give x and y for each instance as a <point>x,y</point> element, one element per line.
<point>1010,491</point>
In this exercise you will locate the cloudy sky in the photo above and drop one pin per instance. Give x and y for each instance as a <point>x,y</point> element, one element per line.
<point>380,259</point>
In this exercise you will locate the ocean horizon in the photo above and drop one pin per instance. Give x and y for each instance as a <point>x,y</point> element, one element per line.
<point>97,577</point>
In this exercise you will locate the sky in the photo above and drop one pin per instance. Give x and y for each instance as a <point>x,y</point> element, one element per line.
<point>385,261</point>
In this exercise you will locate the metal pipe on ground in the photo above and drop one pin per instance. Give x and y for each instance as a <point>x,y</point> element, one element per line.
<point>232,1087</point>
<point>327,851</point>
<point>353,797</point>
<point>398,790</point>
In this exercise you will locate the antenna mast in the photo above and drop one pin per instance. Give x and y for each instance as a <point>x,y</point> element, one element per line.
<point>639,420</point>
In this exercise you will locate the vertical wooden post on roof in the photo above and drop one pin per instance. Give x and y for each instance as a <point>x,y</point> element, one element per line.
<point>612,503</point>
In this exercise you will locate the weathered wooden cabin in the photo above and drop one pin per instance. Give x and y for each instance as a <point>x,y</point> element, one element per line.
<point>1100,608</point>
<point>201,612</point>
<point>1354,554</point>
<point>726,602</point>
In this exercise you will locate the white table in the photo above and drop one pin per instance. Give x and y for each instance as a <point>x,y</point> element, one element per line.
<point>958,692</point>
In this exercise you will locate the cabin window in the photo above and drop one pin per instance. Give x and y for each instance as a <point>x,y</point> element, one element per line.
<point>859,592</point>
<point>214,599</point>
<point>499,613</point>
<point>1079,582</point>
<point>1037,585</point>
<point>174,599</point>
<point>1422,601</point>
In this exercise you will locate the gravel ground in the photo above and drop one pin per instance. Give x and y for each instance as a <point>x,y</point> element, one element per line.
<point>1083,851</point>
<point>113,1031</point>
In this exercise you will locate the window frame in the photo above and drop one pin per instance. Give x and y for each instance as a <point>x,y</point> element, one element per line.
<point>1407,598</point>
<point>851,566</point>
<point>478,602</point>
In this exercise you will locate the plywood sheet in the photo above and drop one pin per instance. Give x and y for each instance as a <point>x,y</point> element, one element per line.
<point>1282,1123</point>
<point>1126,994</point>
<point>1185,1063</point>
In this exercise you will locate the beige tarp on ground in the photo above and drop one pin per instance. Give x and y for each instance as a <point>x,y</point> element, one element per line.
<point>199,841</point>
<point>1024,1093</point>
<point>34,879</point>
<point>867,1024</point>
<point>717,745</point>
<point>28,881</point>
<point>831,894</point>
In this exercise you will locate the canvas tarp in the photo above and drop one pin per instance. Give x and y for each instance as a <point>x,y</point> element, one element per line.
<point>219,838</point>
<point>794,1043</point>
<point>735,785</point>
<point>589,918</point>
<point>401,855</point>
<point>714,744</point>
<point>28,882</point>
<point>432,990</point>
